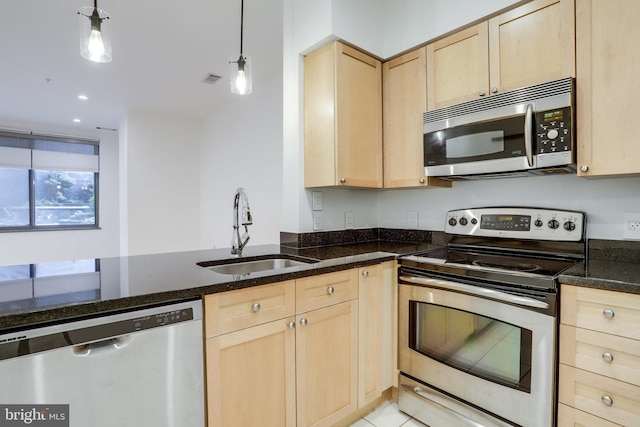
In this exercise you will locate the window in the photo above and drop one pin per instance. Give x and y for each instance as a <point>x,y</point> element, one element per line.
<point>48,182</point>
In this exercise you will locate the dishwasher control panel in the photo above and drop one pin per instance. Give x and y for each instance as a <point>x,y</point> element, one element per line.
<point>161,319</point>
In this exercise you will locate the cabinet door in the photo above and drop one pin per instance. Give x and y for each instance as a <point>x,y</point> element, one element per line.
<point>608,66</point>
<point>358,118</point>
<point>613,400</point>
<point>534,43</point>
<point>319,118</point>
<point>458,67</point>
<point>251,377</point>
<point>326,364</point>
<point>404,101</point>
<point>371,333</point>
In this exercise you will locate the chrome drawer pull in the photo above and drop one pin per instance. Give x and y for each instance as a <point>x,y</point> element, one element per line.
<point>608,313</point>
<point>607,357</point>
<point>292,325</point>
<point>330,290</point>
<point>607,400</point>
<point>255,307</point>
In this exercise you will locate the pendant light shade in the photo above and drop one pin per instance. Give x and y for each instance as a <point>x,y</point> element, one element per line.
<point>95,34</point>
<point>240,73</point>
<point>240,70</point>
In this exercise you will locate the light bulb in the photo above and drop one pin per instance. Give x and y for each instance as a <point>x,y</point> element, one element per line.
<point>241,82</point>
<point>96,45</point>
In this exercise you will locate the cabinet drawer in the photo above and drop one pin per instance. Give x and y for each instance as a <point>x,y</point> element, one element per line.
<point>234,310</point>
<point>616,313</point>
<point>587,392</point>
<point>325,290</point>
<point>570,417</point>
<point>604,354</point>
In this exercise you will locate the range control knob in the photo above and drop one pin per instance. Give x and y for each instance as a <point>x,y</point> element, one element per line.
<point>464,221</point>
<point>538,223</point>
<point>452,222</point>
<point>553,224</point>
<point>569,225</point>
<point>474,221</point>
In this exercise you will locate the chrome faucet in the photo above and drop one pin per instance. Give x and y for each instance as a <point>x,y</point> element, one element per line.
<point>241,216</point>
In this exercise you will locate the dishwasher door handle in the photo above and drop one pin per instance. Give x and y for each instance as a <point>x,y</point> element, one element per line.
<point>103,346</point>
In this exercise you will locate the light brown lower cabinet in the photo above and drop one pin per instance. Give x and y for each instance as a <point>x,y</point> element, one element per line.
<point>249,377</point>
<point>599,375</point>
<point>315,364</point>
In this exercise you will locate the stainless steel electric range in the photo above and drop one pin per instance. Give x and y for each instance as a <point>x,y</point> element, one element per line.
<point>478,319</point>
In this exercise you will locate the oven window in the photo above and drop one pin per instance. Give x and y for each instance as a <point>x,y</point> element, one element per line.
<point>481,346</point>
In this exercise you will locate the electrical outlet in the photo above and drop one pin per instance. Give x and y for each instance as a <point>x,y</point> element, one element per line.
<point>317,200</point>
<point>348,220</point>
<point>412,220</point>
<point>318,220</point>
<point>631,226</point>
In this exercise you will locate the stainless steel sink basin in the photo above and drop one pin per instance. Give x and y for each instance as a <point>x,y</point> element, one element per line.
<point>246,266</point>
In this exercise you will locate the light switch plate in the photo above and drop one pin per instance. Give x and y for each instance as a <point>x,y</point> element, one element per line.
<point>317,200</point>
<point>412,220</point>
<point>348,220</point>
<point>318,220</point>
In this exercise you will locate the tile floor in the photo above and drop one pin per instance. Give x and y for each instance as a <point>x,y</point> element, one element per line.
<point>387,415</point>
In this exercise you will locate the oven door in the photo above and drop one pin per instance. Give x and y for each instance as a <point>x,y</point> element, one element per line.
<point>499,140</point>
<point>495,355</point>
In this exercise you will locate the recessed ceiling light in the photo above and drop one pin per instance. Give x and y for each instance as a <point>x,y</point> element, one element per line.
<point>76,120</point>
<point>83,97</point>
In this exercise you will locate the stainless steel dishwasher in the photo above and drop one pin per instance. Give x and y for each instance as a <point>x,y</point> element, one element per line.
<point>138,368</point>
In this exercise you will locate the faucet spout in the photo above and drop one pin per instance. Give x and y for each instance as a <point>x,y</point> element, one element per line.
<point>241,217</point>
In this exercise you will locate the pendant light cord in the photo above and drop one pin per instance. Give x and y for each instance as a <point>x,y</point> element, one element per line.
<point>241,23</point>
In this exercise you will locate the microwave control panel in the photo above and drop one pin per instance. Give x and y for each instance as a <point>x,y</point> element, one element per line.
<point>553,131</point>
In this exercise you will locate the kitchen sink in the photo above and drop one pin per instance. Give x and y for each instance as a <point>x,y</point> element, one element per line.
<point>248,265</point>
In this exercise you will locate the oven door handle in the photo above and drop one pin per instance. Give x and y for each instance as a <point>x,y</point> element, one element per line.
<point>476,290</point>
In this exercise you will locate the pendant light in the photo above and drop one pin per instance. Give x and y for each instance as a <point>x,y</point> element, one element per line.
<point>241,67</point>
<point>95,41</point>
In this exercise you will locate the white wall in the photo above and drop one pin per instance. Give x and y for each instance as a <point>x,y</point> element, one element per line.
<point>396,27</point>
<point>44,246</point>
<point>162,188</point>
<point>242,147</point>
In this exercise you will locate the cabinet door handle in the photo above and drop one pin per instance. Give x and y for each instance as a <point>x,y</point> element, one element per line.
<point>421,180</point>
<point>365,273</point>
<point>303,322</point>
<point>343,180</point>
<point>607,400</point>
<point>291,325</point>
<point>481,93</point>
<point>584,168</point>
<point>607,357</point>
<point>608,313</point>
<point>330,290</point>
<point>255,307</point>
<point>494,90</point>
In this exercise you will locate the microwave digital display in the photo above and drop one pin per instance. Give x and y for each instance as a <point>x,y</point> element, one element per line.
<point>506,222</point>
<point>552,116</point>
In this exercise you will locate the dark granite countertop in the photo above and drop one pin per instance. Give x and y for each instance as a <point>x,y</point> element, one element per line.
<point>125,283</point>
<point>605,274</point>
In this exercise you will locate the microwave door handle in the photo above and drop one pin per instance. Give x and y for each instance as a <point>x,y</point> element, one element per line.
<point>477,290</point>
<point>528,134</point>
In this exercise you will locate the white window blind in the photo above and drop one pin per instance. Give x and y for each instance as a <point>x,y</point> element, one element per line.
<point>15,158</point>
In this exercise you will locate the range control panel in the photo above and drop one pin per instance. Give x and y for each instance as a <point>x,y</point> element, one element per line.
<point>518,223</point>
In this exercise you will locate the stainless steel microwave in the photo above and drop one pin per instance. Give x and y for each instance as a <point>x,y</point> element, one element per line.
<point>527,131</point>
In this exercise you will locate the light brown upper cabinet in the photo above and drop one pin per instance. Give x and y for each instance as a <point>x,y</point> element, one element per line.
<point>530,44</point>
<point>404,84</point>
<point>342,118</point>
<point>607,90</point>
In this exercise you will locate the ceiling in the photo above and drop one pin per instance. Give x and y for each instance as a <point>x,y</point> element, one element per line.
<point>162,50</point>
